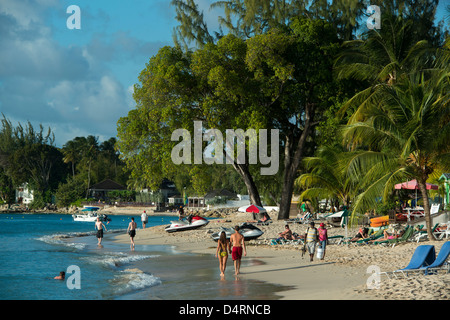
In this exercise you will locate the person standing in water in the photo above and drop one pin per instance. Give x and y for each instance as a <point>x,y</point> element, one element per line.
<point>144,219</point>
<point>99,227</point>
<point>132,232</point>
<point>238,243</point>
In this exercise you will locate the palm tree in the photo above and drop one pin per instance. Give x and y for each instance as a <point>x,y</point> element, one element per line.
<point>327,178</point>
<point>384,55</point>
<point>404,129</point>
<point>71,154</point>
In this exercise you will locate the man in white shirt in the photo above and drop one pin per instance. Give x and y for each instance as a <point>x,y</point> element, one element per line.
<point>144,219</point>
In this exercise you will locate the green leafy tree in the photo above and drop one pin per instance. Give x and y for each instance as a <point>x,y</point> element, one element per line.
<point>70,191</point>
<point>7,191</point>
<point>404,129</point>
<point>28,156</point>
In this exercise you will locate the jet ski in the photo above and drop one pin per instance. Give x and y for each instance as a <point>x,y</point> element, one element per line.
<point>188,223</point>
<point>248,230</point>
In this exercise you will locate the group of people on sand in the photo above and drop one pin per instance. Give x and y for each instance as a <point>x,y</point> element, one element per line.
<point>234,246</point>
<point>313,237</point>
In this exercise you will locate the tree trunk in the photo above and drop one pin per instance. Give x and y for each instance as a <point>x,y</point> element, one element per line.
<point>253,193</point>
<point>426,207</point>
<point>293,155</point>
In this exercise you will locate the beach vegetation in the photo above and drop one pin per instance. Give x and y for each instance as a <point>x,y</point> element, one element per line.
<point>310,70</point>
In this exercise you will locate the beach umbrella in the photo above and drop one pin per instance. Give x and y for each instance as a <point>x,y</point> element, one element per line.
<point>252,208</point>
<point>413,185</point>
<point>255,210</point>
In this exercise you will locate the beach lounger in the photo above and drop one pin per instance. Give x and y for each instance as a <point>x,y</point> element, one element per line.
<point>423,234</point>
<point>441,262</point>
<point>307,218</point>
<point>424,255</point>
<point>409,231</point>
<point>294,220</point>
<point>335,239</point>
<point>264,223</point>
<point>445,233</point>
<point>281,241</point>
<point>374,236</point>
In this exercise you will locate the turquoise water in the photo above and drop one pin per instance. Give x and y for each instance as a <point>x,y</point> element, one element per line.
<point>34,248</point>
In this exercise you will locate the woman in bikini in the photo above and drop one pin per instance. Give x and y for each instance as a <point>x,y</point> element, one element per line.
<point>223,247</point>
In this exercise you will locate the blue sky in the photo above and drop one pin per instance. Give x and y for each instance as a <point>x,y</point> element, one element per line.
<point>79,82</point>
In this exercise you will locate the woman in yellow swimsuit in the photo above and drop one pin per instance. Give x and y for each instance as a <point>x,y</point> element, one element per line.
<point>223,247</point>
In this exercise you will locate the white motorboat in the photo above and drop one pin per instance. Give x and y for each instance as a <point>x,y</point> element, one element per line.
<point>248,230</point>
<point>90,215</point>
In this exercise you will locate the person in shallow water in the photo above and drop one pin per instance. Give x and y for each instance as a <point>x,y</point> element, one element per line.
<point>62,276</point>
<point>99,226</point>
<point>132,232</point>
<point>238,244</point>
<point>223,247</point>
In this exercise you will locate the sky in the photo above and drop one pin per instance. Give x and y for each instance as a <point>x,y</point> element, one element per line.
<point>79,82</point>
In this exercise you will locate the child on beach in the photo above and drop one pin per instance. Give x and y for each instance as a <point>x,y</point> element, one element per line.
<point>223,247</point>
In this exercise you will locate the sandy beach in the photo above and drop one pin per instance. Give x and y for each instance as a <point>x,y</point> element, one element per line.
<point>343,274</point>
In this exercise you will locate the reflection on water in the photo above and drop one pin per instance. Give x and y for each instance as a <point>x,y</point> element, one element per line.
<point>197,277</point>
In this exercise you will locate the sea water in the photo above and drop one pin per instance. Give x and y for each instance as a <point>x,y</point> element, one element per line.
<point>34,248</point>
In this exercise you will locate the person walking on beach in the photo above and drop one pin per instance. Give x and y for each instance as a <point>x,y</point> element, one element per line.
<point>238,243</point>
<point>144,219</point>
<point>223,247</point>
<point>99,227</point>
<point>132,232</point>
<point>311,239</point>
<point>323,238</point>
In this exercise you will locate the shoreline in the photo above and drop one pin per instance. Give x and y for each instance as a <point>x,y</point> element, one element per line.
<point>341,276</point>
<point>320,279</point>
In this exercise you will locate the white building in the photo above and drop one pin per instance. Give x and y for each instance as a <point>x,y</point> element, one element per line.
<point>23,194</point>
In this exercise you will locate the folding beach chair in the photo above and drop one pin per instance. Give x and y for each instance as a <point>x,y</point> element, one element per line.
<point>445,233</point>
<point>423,234</point>
<point>424,255</point>
<point>374,236</point>
<point>335,239</point>
<point>307,218</point>
<point>441,260</point>
<point>406,236</point>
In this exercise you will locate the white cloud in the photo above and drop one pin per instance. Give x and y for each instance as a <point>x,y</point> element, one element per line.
<point>77,90</point>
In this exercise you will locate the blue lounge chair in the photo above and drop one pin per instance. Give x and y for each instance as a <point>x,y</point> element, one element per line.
<point>423,256</point>
<point>440,261</point>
